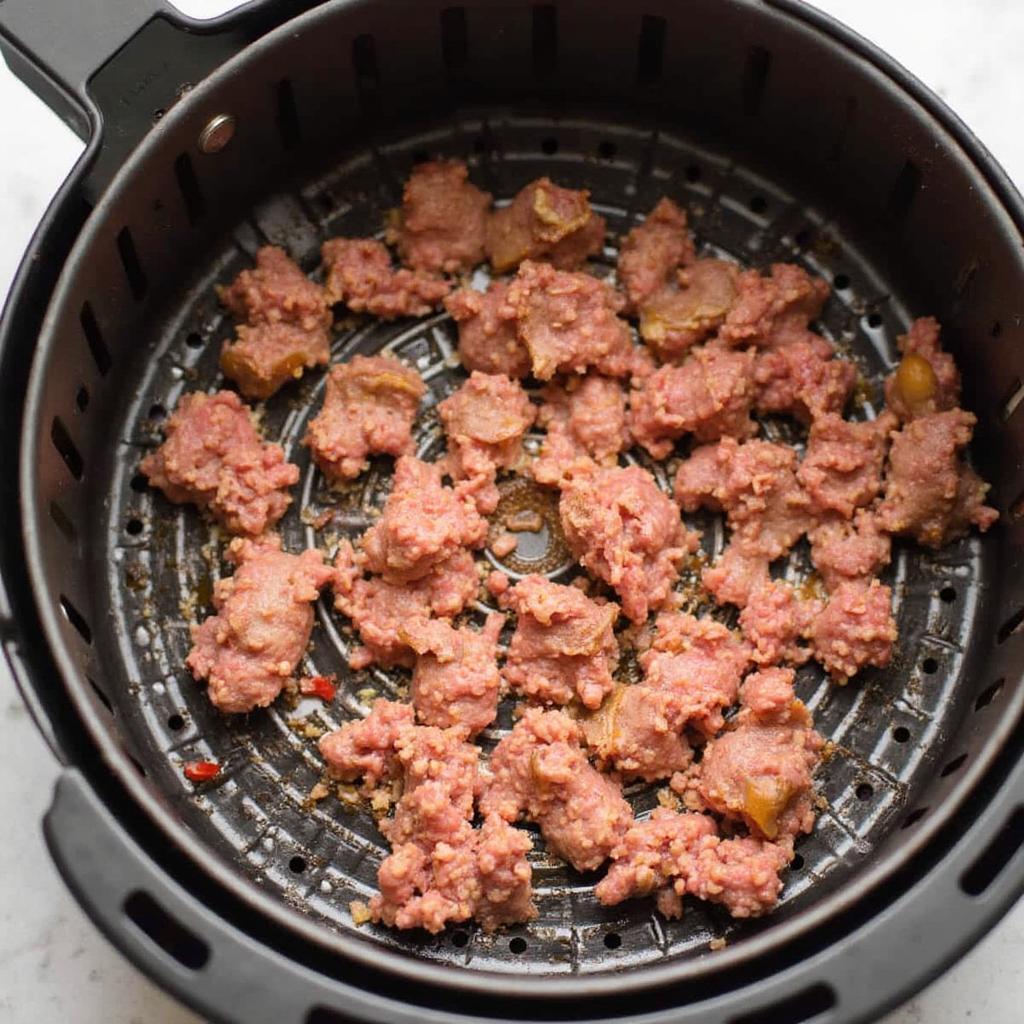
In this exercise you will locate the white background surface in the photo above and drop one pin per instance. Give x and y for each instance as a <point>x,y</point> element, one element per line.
<point>53,965</point>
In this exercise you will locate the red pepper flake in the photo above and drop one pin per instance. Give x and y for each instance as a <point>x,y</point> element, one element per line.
<point>318,686</point>
<point>201,771</point>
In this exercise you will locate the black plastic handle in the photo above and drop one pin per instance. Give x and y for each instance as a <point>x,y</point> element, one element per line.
<point>112,68</point>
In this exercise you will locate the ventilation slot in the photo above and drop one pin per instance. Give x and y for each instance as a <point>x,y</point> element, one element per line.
<point>545,40</point>
<point>454,39</point>
<point>984,871</point>
<point>904,191</point>
<point>1012,400</point>
<point>66,447</point>
<point>287,115</point>
<point>988,695</point>
<point>914,817</point>
<point>364,62</point>
<point>954,766</point>
<point>94,339</point>
<point>1010,626</point>
<point>62,522</point>
<point>130,261</point>
<point>795,1009</point>
<point>650,50</point>
<point>188,186</point>
<point>77,619</point>
<point>755,79</point>
<point>172,937</point>
<point>101,696</point>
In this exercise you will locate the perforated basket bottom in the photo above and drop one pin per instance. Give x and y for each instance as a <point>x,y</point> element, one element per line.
<point>889,727</point>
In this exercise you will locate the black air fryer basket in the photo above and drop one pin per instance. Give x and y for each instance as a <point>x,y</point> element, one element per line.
<point>786,137</point>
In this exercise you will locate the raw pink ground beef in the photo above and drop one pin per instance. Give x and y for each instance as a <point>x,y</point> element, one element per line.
<point>544,221</point>
<point>688,310</point>
<point>923,340</point>
<point>380,610</point>
<point>741,874</point>
<point>359,274</point>
<point>249,649</point>
<point>651,251</point>
<point>440,226</point>
<point>698,660</point>
<point>423,524</point>
<point>637,731</point>
<point>369,408</point>
<point>627,533</point>
<point>760,771</point>
<point>770,311</point>
<point>803,379</point>
<point>214,458</point>
<point>365,748</point>
<point>455,682</point>
<point>856,628</point>
<point>569,321</point>
<point>775,622</point>
<point>585,420</point>
<point>488,337</point>
<point>842,470</point>
<point>484,423</point>
<point>709,395</point>
<point>930,493</point>
<point>854,550</point>
<point>563,646</point>
<point>540,770</point>
<point>286,326</point>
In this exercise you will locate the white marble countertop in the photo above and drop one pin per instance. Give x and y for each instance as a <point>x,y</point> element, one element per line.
<point>54,966</point>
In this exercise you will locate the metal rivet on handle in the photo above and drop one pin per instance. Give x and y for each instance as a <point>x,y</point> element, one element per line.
<point>217,134</point>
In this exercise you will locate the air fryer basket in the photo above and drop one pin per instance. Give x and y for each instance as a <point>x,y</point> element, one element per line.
<point>785,140</point>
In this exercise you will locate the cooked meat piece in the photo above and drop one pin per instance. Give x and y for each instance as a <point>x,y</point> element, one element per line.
<point>637,733</point>
<point>760,771</point>
<point>544,222</point>
<point>771,311</point>
<point>842,550</point>
<point>654,853</point>
<point>423,524</point>
<point>439,784</point>
<point>628,533</point>
<point>485,422</point>
<point>250,648</point>
<point>652,251</point>
<point>488,338</point>
<point>775,621</point>
<point>709,396</point>
<point>563,646</point>
<point>286,329</point>
<point>767,510</point>
<point>701,662</point>
<point>930,493</point>
<point>359,274</point>
<point>856,628</point>
<point>569,321</point>
<point>585,420</point>
<point>365,748</point>
<point>926,380</point>
<point>380,611</point>
<point>842,470</point>
<point>540,770</point>
<point>688,311</point>
<point>276,291</point>
<point>475,873</point>
<point>369,408</point>
<point>455,681</point>
<point>803,379</point>
<point>214,458</point>
<point>741,874</point>
<point>440,226</point>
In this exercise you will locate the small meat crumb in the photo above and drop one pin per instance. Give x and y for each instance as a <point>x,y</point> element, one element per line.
<point>524,521</point>
<point>360,912</point>
<point>497,583</point>
<point>717,943</point>
<point>504,544</point>
<point>320,791</point>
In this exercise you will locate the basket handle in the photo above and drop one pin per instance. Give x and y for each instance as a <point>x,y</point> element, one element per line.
<point>110,68</point>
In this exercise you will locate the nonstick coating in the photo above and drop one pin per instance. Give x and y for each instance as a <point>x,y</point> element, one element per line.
<point>140,570</point>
